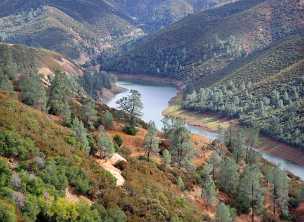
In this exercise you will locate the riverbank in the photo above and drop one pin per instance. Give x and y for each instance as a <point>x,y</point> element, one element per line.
<point>146,79</point>
<point>109,94</point>
<point>212,122</point>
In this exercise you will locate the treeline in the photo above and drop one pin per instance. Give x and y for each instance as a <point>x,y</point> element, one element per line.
<point>240,172</point>
<point>277,113</point>
<point>35,91</point>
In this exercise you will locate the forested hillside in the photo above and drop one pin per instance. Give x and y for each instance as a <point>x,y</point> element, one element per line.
<point>20,64</point>
<point>77,29</point>
<point>152,15</point>
<point>206,44</point>
<point>266,92</point>
<point>22,59</point>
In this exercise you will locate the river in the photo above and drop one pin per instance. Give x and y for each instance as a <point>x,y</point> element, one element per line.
<point>155,99</point>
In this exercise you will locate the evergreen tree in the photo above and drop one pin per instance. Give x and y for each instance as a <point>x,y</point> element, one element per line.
<point>167,157</point>
<point>33,91</point>
<point>105,145</point>
<point>215,161</point>
<point>80,134</point>
<point>151,142</point>
<point>221,134</point>
<point>132,105</point>
<point>229,176</point>
<point>251,194</point>
<point>238,146</point>
<point>180,183</point>
<point>280,189</point>
<point>253,141</point>
<point>7,65</point>
<point>209,192</point>
<point>182,150</point>
<point>89,113</point>
<point>58,103</point>
<point>5,83</point>
<point>223,213</point>
<point>107,120</point>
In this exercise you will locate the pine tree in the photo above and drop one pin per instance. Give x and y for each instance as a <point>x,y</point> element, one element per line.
<point>80,134</point>
<point>221,134</point>
<point>32,91</point>
<point>250,193</point>
<point>223,213</point>
<point>107,120</point>
<point>209,192</point>
<point>215,161</point>
<point>58,103</point>
<point>5,83</point>
<point>180,183</point>
<point>151,142</point>
<point>238,146</point>
<point>229,176</point>
<point>280,189</point>
<point>167,157</point>
<point>105,145</point>
<point>131,105</point>
<point>182,150</point>
<point>89,113</point>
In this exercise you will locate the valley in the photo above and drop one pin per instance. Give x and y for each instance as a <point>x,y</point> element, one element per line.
<point>151,111</point>
<point>156,109</point>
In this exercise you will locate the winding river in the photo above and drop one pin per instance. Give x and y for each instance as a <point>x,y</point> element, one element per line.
<point>155,99</point>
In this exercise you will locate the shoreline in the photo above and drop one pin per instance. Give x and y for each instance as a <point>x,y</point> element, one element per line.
<point>211,122</point>
<point>109,94</point>
<point>146,79</point>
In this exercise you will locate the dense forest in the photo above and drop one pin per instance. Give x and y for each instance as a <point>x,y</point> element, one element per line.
<point>265,93</point>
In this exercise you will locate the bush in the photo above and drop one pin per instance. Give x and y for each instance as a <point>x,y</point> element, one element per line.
<point>13,145</point>
<point>118,140</point>
<point>56,175</point>
<point>107,120</point>
<point>5,174</point>
<point>78,179</point>
<point>130,130</point>
<point>7,212</point>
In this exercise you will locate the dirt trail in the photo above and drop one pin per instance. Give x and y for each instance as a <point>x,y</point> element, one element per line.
<point>109,165</point>
<point>74,198</point>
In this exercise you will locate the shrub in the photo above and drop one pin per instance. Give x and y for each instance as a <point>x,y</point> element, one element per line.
<point>78,179</point>
<point>13,145</point>
<point>105,145</point>
<point>118,140</point>
<point>130,130</point>
<point>107,120</point>
<point>7,212</point>
<point>5,174</point>
<point>180,183</point>
<point>55,175</point>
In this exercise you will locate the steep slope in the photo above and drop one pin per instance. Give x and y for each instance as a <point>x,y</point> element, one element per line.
<point>266,92</point>
<point>153,15</point>
<point>52,176</point>
<point>204,44</point>
<point>37,59</point>
<point>78,29</point>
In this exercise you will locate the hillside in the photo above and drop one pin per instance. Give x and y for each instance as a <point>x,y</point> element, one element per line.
<point>49,161</point>
<point>79,30</point>
<point>47,174</point>
<point>152,15</point>
<point>265,92</point>
<point>41,60</point>
<point>204,45</point>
